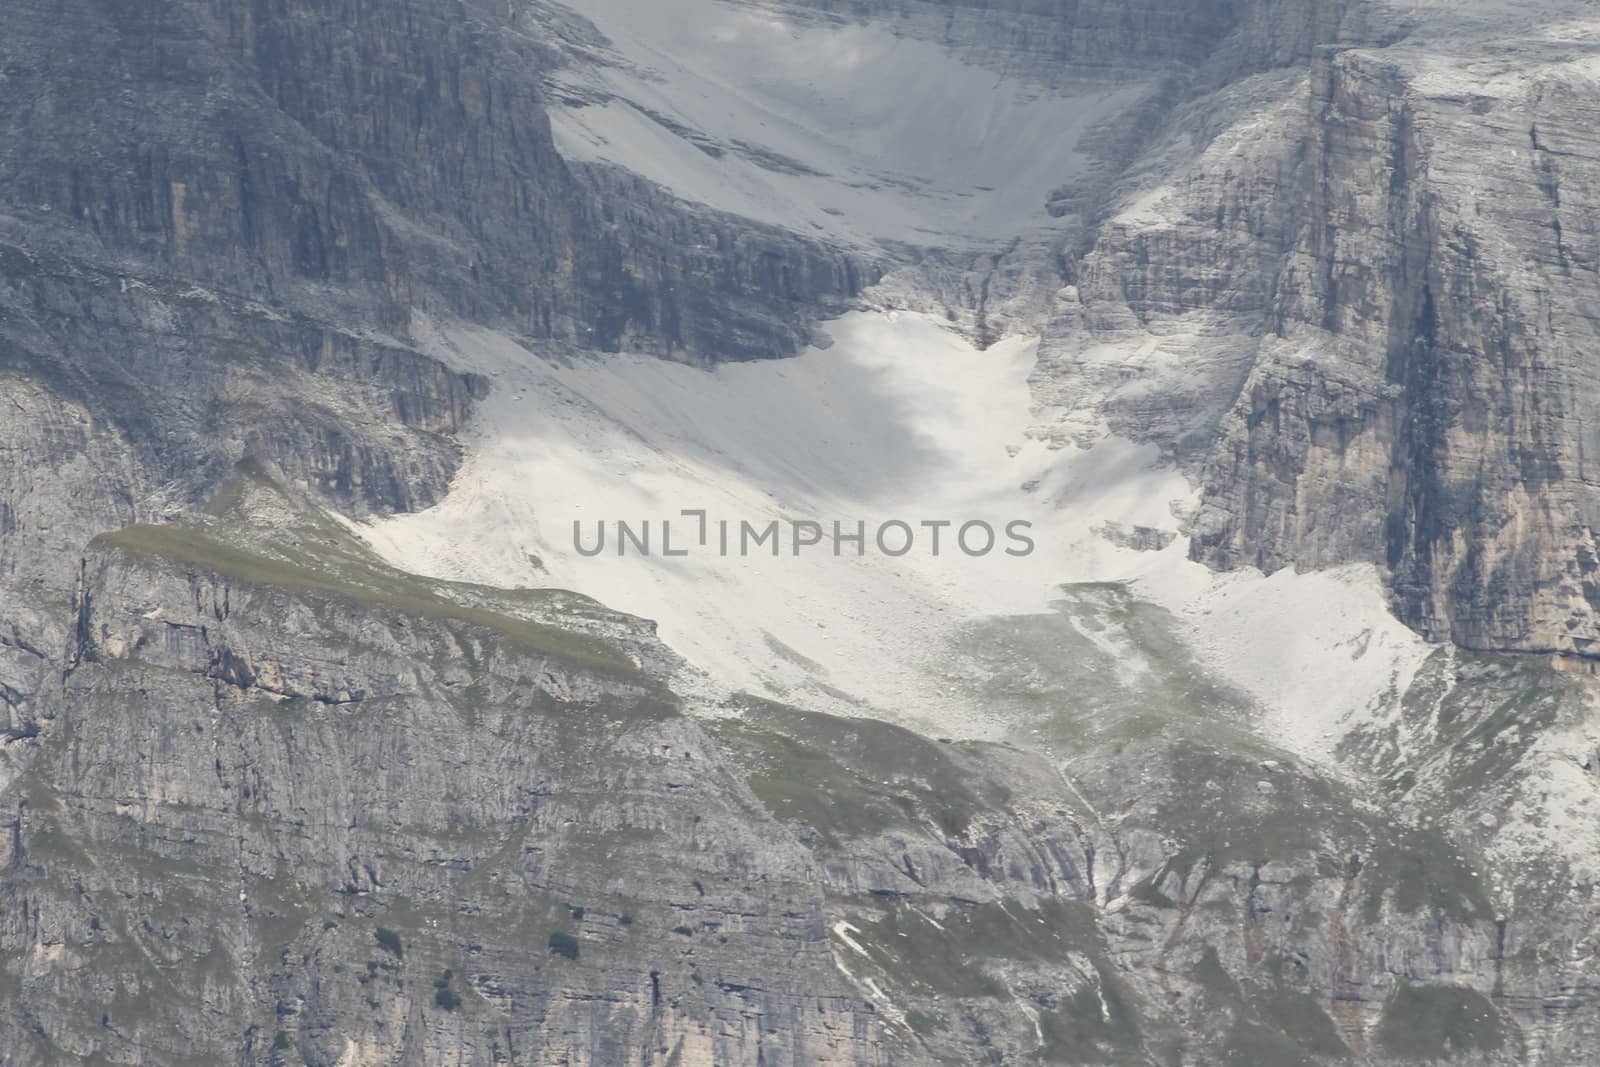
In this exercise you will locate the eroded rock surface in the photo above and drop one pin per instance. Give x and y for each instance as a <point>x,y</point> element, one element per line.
<point>265,799</point>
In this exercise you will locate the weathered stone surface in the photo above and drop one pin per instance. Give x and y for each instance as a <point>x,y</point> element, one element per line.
<point>371,158</point>
<point>264,800</point>
<point>284,804</point>
<point>1423,403</point>
<point>217,223</point>
<point>1347,283</point>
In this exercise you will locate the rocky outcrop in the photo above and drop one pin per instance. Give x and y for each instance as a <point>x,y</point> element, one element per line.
<point>1347,288</point>
<point>1423,402</point>
<point>223,259</point>
<point>130,397</point>
<point>283,804</point>
<point>218,225</point>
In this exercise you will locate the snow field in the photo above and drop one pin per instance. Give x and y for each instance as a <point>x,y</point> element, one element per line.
<point>899,419</point>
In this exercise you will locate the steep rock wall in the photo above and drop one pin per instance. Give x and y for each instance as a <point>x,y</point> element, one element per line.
<point>1425,402</point>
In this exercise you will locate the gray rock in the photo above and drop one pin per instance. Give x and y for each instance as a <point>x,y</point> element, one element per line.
<point>266,800</point>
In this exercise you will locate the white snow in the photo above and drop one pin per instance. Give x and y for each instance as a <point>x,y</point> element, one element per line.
<point>873,992</point>
<point>1558,803</point>
<point>899,419</point>
<point>842,930</point>
<point>899,137</point>
<point>1319,651</point>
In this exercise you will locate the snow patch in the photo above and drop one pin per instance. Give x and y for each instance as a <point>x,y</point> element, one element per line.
<point>899,418</point>
<point>1558,804</point>
<point>842,930</point>
<point>827,126</point>
<point>1319,651</point>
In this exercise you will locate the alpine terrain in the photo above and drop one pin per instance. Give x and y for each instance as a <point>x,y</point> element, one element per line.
<point>390,389</point>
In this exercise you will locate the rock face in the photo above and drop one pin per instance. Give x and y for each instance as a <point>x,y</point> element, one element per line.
<point>1429,386</point>
<point>131,396</point>
<point>284,804</point>
<point>378,156</point>
<point>267,800</point>
<point>224,256</point>
<point>1355,271</point>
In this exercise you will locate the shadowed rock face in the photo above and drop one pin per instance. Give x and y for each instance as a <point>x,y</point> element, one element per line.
<point>373,157</point>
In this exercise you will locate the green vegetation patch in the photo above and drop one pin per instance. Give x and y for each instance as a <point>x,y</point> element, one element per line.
<point>1418,869</point>
<point>947,956</point>
<point>444,994</point>
<point>1211,805</point>
<point>1300,1015</point>
<point>848,778</point>
<point>1438,1022</point>
<point>389,941</point>
<point>950,956</point>
<point>369,585</point>
<point>563,945</point>
<point>1092,1026</point>
<point>1272,1022</point>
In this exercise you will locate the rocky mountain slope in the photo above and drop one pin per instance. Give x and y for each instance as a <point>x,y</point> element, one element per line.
<point>221,257</point>
<point>286,804</point>
<point>320,320</point>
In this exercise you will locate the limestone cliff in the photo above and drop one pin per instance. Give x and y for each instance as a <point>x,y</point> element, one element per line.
<point>283,804</point>
<point>266,799</point>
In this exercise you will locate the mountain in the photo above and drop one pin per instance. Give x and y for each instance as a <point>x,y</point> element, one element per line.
<point>332,331</point>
